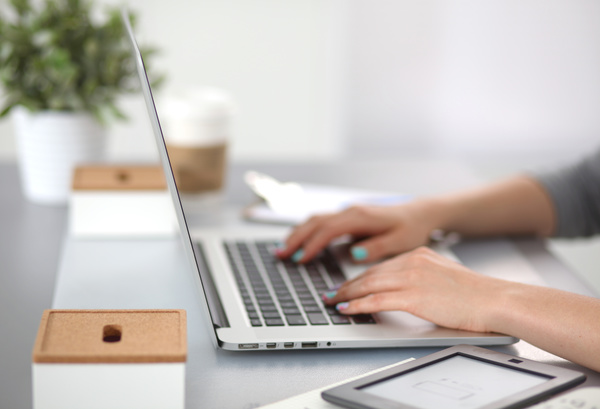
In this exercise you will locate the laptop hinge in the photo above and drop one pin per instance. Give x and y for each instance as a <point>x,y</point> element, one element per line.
<point>217,313</point>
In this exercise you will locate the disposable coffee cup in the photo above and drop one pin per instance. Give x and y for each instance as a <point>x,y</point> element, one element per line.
<point>197,128</point>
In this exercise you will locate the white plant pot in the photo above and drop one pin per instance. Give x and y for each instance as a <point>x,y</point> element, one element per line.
<point>50,144</point>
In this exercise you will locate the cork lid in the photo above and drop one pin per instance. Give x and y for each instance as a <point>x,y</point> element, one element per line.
<point>119,178</point>
<point>103,336</point>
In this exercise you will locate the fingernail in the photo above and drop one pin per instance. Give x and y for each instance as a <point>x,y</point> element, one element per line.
<point>359,253</point>
<point>341,306</point>
<point>329,295</point>
<point>297,256</point>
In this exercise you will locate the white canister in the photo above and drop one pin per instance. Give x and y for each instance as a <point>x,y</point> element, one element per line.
<point>97,359</point>
<point>121,202</point>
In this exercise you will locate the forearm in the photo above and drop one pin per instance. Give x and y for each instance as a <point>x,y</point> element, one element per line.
<point>518,206</point>
<point>559,322</point>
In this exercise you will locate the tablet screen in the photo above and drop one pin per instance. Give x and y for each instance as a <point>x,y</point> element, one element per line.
<point>457,382</point>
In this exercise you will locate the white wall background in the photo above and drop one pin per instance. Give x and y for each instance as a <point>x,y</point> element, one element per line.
<point>470,77</point>
<point>326,78</point>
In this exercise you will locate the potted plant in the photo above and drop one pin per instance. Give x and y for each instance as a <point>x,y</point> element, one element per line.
<point>60,74</point>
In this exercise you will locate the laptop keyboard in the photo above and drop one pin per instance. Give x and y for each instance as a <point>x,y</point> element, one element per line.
<point>280,292</point>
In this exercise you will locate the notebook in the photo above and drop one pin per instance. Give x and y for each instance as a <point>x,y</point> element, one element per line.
<point>257,302</point>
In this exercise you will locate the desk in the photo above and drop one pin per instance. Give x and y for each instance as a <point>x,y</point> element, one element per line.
<point>31,239</point>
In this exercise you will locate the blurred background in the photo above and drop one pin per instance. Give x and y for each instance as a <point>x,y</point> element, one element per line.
<point>497,81</point>
<point>502,85</point>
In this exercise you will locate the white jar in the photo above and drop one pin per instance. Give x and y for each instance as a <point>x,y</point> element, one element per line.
<point>119,359</point>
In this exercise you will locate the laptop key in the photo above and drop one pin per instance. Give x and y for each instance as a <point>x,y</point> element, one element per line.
<point>317,319</point>
<point>305,295</point>
<point>332,311</point>
<point>271,314</point>
<point>312,308</point>
<point>286,297</point>
<point>274,322</point>
<point>255,322</point>
<point>363,319</point>
<point>295,320</point>
<point>340,319</point>
<point>291,311</point>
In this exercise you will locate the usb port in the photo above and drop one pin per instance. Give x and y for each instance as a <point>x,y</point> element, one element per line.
<point>288,345</point>
<point>271,345</point>
<point>247,346</point>
<point>309,345</point>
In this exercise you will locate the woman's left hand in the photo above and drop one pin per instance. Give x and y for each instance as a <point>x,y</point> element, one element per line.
<point>427,285</point>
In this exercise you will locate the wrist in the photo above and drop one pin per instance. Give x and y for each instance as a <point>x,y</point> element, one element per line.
<point>438,213</point>
<point>507,309</point>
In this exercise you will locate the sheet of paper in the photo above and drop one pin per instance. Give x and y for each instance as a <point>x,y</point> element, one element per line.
<point>313,399</point>
<point>313,199</point>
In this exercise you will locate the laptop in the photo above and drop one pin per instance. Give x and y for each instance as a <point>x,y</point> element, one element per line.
<point>257,302</point>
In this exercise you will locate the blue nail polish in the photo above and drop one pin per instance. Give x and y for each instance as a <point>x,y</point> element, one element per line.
<point>341,306</point>
<point>330,294</point>
<point>359,253</point>
<point>297,256</point>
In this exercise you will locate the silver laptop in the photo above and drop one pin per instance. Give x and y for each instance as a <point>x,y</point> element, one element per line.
<point>257,302</point>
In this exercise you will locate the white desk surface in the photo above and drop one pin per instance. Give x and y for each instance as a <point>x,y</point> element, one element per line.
<point>154,274</point>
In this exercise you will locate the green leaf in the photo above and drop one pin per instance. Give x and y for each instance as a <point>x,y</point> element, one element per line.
<point>52,56</point>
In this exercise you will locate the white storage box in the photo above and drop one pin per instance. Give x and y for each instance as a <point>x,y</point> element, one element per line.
<point>121,202</point>
<point>110,359</point>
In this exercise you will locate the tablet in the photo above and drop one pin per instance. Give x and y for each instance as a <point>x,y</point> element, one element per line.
<point>463,376</point>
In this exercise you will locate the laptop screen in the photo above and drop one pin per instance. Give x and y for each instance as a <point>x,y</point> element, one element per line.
<point>189,248</point>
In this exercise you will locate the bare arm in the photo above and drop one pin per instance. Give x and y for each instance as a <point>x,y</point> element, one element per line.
<point>560,322</point>
<point>517,206</point>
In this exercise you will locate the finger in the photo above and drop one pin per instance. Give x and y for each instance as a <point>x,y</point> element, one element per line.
<point>395,273</point>
<point>315,235</point>
<point>364,285</point>
<point>376,248</point>
<point>345,223</point>
<point>372,303</point>
<point>295,240</point>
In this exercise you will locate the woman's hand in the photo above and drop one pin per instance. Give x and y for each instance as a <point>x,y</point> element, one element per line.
<point>446,293</point>
<point>428,286</point>
<point>390,230</point>
<point>515,206</point>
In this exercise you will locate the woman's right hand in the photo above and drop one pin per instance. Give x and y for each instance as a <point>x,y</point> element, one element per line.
<point>389,230</point>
